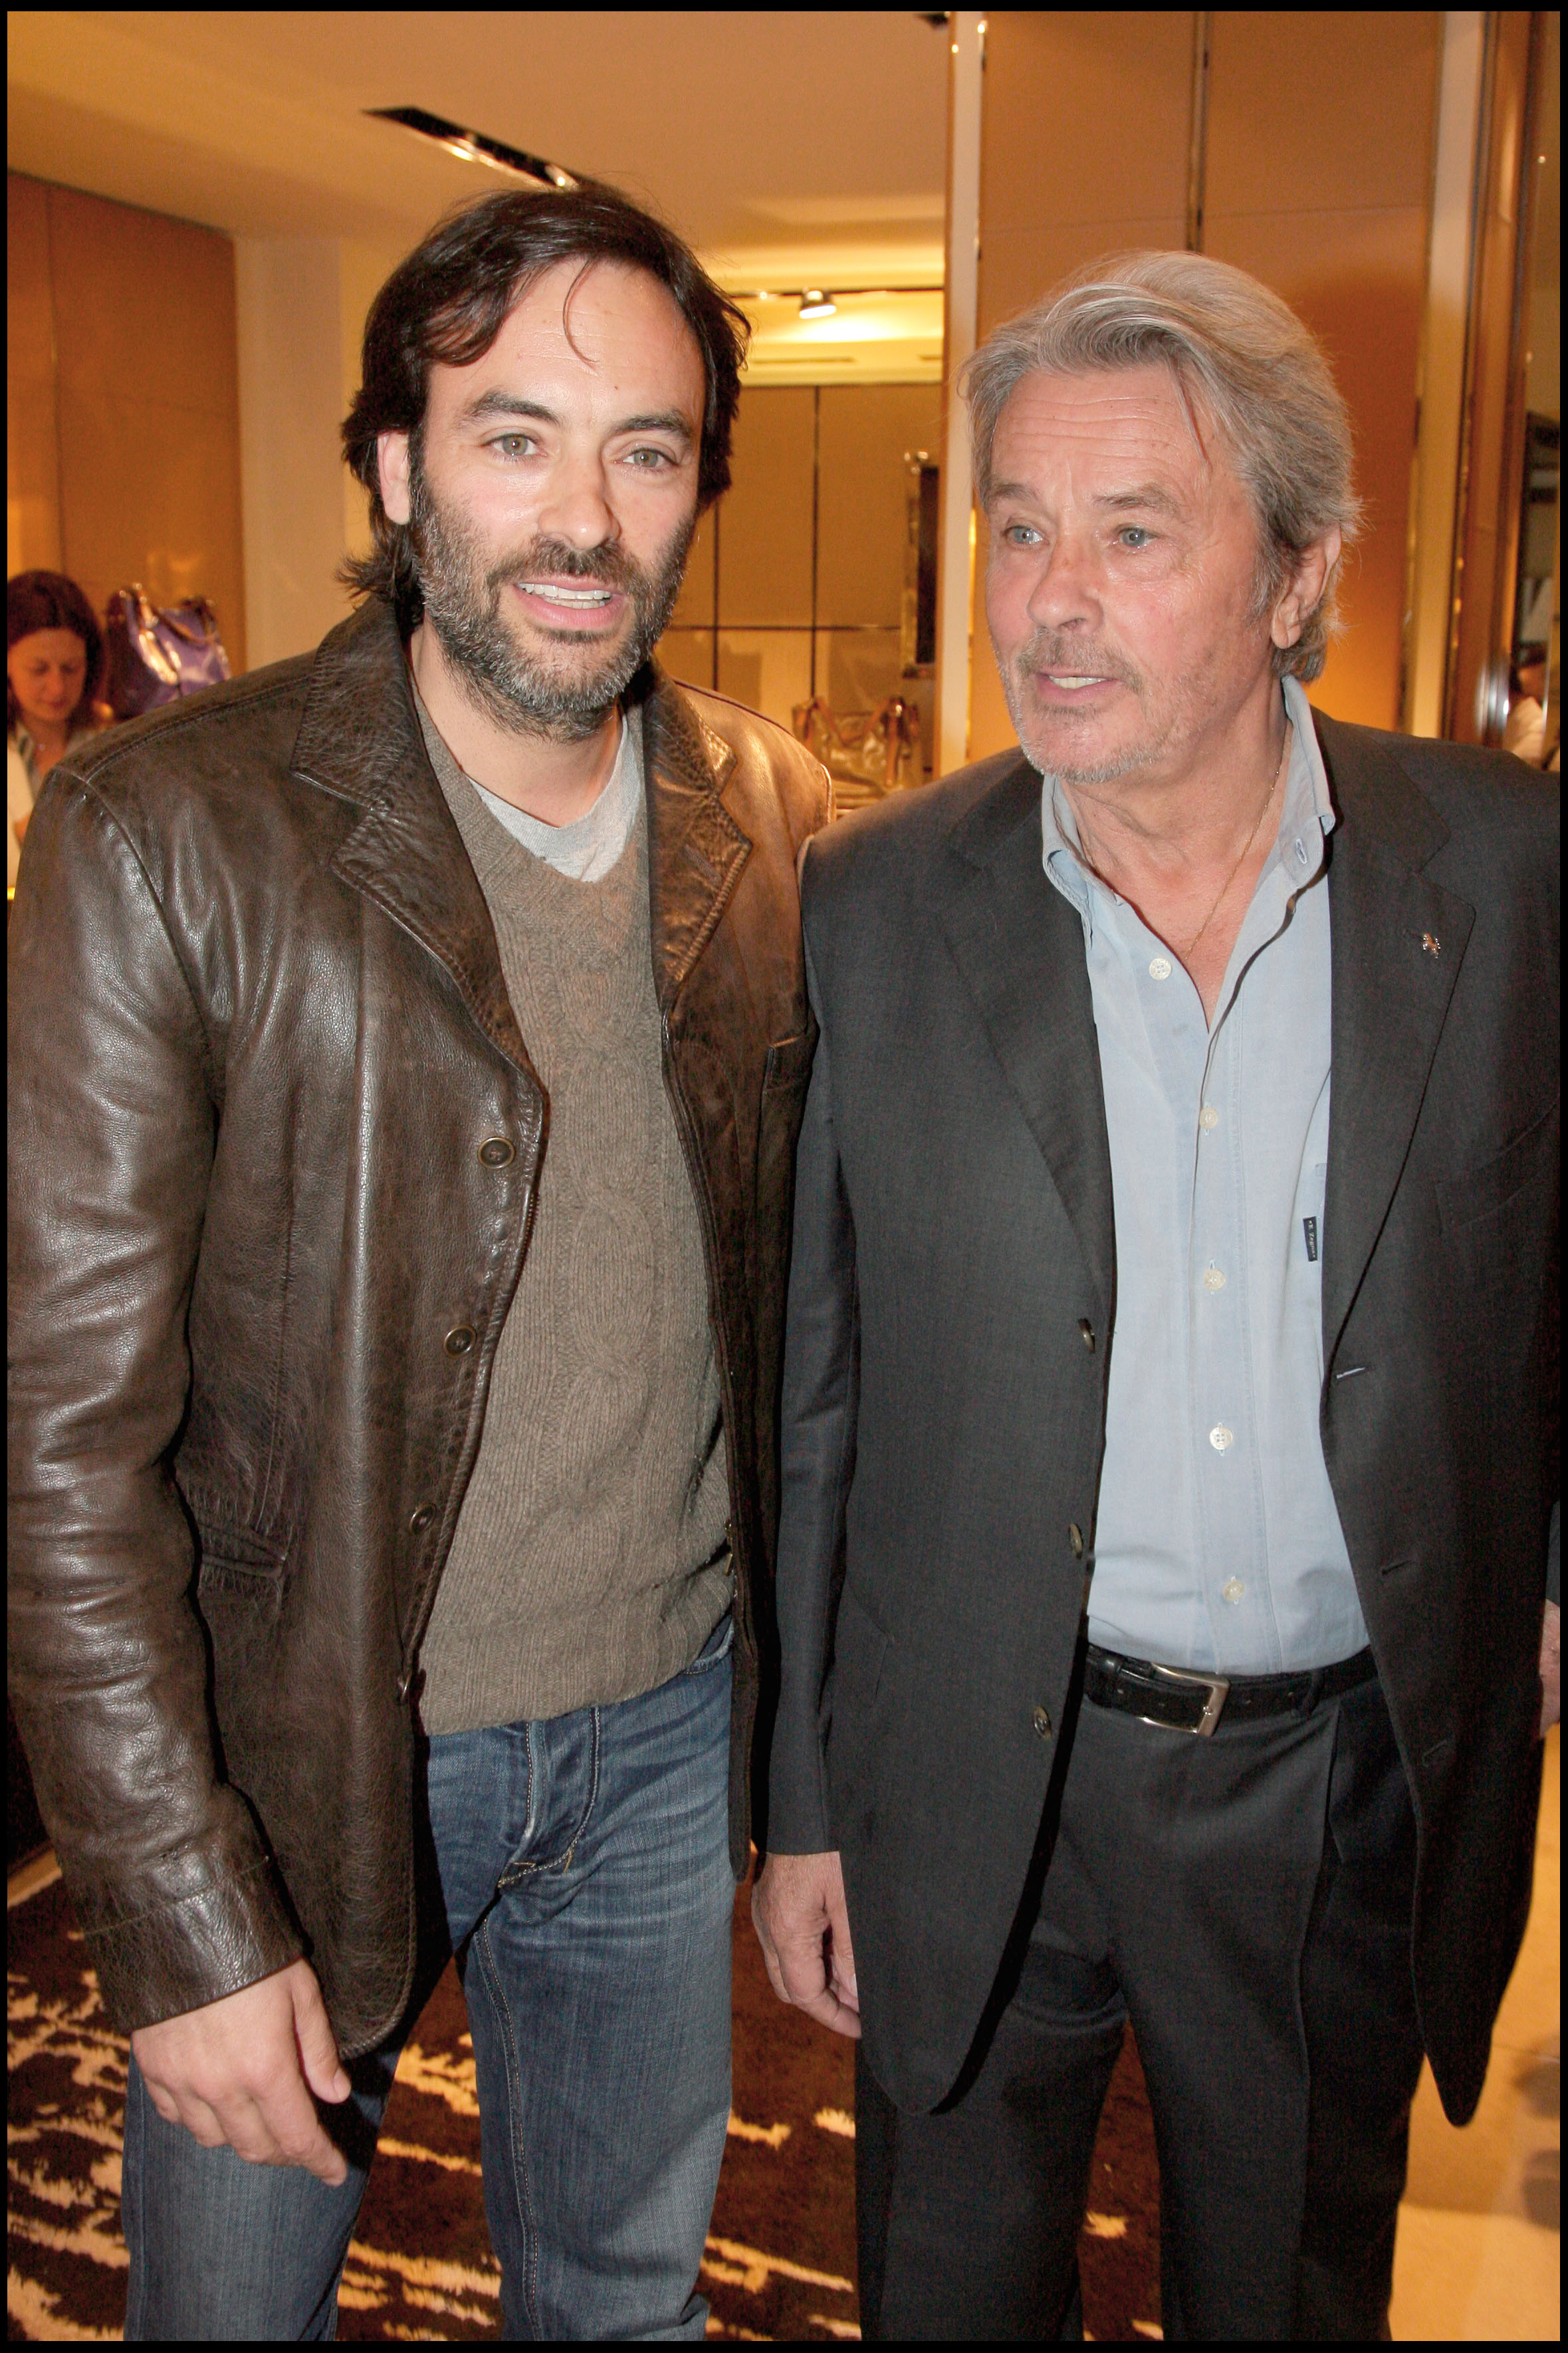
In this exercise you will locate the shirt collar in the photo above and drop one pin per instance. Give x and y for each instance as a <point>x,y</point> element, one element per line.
<point>1306,818</point>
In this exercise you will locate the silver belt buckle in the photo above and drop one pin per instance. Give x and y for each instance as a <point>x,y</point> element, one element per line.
<point>1217,1686</point>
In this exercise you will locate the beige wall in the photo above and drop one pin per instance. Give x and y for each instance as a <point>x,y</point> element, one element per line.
<point>1317,179</point>
<point>303,306</point>
<point>123,441</point>
<point>290,400</point>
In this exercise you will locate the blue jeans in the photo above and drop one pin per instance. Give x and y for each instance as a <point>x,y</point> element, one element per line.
<point>583,1864</point>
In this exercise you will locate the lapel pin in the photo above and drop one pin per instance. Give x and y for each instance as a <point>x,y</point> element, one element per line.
<point>1432,947</point>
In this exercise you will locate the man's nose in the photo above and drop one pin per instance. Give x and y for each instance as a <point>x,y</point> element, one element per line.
<point>577,511</point>
<point>1066,588</point>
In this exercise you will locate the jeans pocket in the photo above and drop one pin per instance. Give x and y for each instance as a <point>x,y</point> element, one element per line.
<point>717,1648</point>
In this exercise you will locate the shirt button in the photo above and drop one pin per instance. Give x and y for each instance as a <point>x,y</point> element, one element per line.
<point>1075,1539</point>
<point>1160,968</point>
<point>497,1151</point>
<point>1213,1279</point>
<point>1042,1724</point>
<point>459,1340</point>
<point>1208,1117</point>
<point>1220,1437</point>
<point>1300,851</point>
<point>1232,1592</point>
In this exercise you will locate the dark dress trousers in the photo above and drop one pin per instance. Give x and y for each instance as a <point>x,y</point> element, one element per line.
<point>951,1311</point>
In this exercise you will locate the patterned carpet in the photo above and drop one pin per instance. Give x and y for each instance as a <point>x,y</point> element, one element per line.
<point>781,2252</point>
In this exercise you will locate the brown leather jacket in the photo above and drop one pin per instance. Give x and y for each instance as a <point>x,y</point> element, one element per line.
<point>275,1137</point>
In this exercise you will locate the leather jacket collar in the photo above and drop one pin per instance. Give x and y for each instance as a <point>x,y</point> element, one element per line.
<point>360,740</point>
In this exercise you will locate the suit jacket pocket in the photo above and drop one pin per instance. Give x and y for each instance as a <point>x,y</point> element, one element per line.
<point>1476,1193</point>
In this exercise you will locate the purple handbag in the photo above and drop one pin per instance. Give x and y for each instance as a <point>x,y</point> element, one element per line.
<point>156,655</point>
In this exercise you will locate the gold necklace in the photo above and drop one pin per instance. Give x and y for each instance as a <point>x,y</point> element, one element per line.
<point>1186,953</point>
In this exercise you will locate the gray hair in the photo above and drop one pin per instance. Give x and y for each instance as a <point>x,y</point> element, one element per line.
<point>1237,353</point>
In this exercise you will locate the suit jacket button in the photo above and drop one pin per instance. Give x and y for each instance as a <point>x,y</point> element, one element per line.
<point>1042,1722</point>
<point>1075,1538</point>
<point>1086,1332</point>
<point>421,1519</point>
<point>459,1340</point>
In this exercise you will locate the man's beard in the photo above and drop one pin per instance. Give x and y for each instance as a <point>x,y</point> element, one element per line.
<point>566,699</point>
<point>1067,658</point>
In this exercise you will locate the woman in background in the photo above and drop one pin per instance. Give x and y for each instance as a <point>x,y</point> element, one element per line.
<point>54,666</point>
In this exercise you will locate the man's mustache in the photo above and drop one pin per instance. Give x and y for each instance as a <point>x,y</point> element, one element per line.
<point>550,559</point>
<point>1071,658</point>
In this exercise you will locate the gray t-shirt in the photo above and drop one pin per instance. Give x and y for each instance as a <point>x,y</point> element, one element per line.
<point>590,844</point>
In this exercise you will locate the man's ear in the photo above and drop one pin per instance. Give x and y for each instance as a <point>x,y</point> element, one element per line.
<point>1304,591</point>
<point>391,470</point>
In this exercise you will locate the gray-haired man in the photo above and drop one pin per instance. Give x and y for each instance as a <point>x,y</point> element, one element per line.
<point>1169,1451</point>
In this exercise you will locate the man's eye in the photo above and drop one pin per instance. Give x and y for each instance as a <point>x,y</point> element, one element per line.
<point>1021,534</point>
<point>1132,535</point>
<point>513,445</point>
<point>651,460</point>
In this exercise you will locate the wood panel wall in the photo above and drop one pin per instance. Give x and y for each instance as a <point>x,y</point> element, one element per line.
<point>123,438</point>
<point>1315,177</point>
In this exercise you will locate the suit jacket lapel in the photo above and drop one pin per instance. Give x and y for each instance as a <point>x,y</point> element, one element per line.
<point>1398,941</point>
<point>1019,948</point>
<point>695,851</point>
<point>360,739</point>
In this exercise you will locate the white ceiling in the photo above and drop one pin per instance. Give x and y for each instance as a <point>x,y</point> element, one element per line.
<point>790,147</point>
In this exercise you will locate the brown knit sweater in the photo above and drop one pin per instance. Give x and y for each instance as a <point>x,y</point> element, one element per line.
<point>589,1562</point>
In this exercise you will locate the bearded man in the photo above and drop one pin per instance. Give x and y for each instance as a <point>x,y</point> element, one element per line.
<point>1167,1570</point>
<point>407,1047</point>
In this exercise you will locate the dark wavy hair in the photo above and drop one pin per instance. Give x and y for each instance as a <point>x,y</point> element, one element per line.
<point>47,600</point>
<point>449,301</point>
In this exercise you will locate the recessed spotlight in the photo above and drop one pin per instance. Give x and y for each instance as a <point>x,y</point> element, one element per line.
<point>474,147</point>
<point>815,304</point>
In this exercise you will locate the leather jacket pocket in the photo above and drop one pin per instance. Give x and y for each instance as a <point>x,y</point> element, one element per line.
<point>234,1561</point>
<point>788,1065</point>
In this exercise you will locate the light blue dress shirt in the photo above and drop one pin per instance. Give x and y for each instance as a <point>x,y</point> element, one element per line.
<point>1217,1543</point>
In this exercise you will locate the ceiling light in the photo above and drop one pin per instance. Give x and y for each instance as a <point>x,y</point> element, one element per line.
<point>474,147</point>
<point>815,304</point>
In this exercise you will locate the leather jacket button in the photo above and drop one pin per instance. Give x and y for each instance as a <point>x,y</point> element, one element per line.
<point>422,1519</point>
<point>459,1339</point>
<point>1042,1722</point>
<point>1075,1539</point>
<point>496,1151</point>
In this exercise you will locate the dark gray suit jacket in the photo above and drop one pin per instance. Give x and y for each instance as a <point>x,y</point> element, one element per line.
<point>944,1423</point>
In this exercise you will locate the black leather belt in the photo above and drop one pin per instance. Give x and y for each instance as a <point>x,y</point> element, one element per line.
<point>1190,1703</point>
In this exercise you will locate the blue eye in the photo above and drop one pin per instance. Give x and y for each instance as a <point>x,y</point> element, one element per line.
<point>1133,535</point>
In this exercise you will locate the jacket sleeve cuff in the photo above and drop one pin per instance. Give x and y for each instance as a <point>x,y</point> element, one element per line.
<point>159,1964</point>
<point>797,1785</point>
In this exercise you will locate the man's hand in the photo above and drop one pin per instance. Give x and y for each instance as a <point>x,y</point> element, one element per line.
<point>241,2071</point>
<point>797,1908</point>
<point>1551,1667</point>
